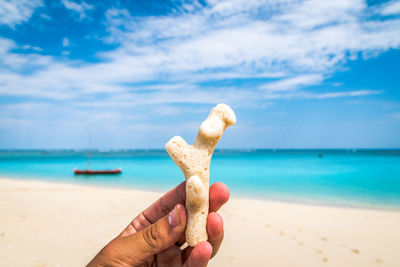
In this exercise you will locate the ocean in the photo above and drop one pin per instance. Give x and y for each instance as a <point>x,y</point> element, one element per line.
<point>355,178</point>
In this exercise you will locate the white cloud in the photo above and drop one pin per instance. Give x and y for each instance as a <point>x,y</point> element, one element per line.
<point>65,42</point>
<point>296,38</point>
<point>286,40</point>
<point>5,46</point>
<point>29,47</point>
<point>315,95</point>
<point>293,82</point>
<point>341,94</point>
<point>391,8</point>
<point>45,16</point>
<point>16,12</point>
<point>11,63</point>
<point>310,14</point>
<point>78,8</point>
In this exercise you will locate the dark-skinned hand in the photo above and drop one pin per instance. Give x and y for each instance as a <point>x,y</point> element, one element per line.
<point>155,236</point>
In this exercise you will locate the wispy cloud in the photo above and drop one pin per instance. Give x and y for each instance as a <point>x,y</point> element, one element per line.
<point>297,43</point>
<point>391,8</point>
<point>293,82</point>
<point>15,12</point>
<point>315,95</point>
<point>65,42</point>
<point>340,94</point>
<point>290,38</point>
<point>80,9</point>
<point>29,47</point>
<point>13,64</point>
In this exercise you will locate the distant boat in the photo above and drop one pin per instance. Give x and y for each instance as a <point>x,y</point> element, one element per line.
<point>96,172</point>
<point>88,171</point>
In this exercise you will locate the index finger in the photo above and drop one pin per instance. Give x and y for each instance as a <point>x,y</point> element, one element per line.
<point>157,210</point>
<point>219,195</point>
<point>166,203</point>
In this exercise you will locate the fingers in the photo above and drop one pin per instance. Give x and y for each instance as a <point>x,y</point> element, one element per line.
<point>166,203</point>
<point>219,195</point>
<point>170,257</point>
<point>156,237</point>
<point>199,256</point>
<point>215,230</point>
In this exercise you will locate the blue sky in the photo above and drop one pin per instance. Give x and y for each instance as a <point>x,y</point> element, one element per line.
<point>299,74</point>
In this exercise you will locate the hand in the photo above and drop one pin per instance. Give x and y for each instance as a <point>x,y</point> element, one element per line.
<point>154,237</point>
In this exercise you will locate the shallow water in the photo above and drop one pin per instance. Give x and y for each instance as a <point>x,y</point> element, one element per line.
<point>340,177</point>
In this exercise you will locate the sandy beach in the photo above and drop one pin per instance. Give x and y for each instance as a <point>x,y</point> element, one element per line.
<point>53,224</point>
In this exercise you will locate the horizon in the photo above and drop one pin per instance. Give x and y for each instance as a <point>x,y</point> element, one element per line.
<point>354,150</point>
<point>298,74</point>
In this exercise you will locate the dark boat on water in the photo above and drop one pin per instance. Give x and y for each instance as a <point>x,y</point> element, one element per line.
<point>88,171</point>
<point>98,172</point>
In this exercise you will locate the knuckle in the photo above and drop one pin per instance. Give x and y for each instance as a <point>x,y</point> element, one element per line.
<point>152,236</point>
<point>136,224</point>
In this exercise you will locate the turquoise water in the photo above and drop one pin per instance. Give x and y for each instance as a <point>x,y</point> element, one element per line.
<point>340,177</point>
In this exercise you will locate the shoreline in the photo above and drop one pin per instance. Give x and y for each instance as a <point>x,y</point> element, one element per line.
<point>238,195</point>
<point>257,232</point>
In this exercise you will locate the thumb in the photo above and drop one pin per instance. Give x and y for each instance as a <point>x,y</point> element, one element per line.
<point>158,236</point>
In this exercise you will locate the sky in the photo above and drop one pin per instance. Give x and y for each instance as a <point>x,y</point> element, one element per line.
<point>133,74</point>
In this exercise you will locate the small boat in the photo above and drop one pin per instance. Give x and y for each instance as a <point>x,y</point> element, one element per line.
<point>88,171</point>
<point>96,172</point>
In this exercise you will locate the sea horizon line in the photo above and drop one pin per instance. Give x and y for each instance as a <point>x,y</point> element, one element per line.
<point>355,149</point>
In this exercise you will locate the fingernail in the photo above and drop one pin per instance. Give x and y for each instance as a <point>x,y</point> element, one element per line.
<point>173,217</point>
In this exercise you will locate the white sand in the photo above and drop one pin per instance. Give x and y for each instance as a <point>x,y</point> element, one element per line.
<point>50,224</point>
